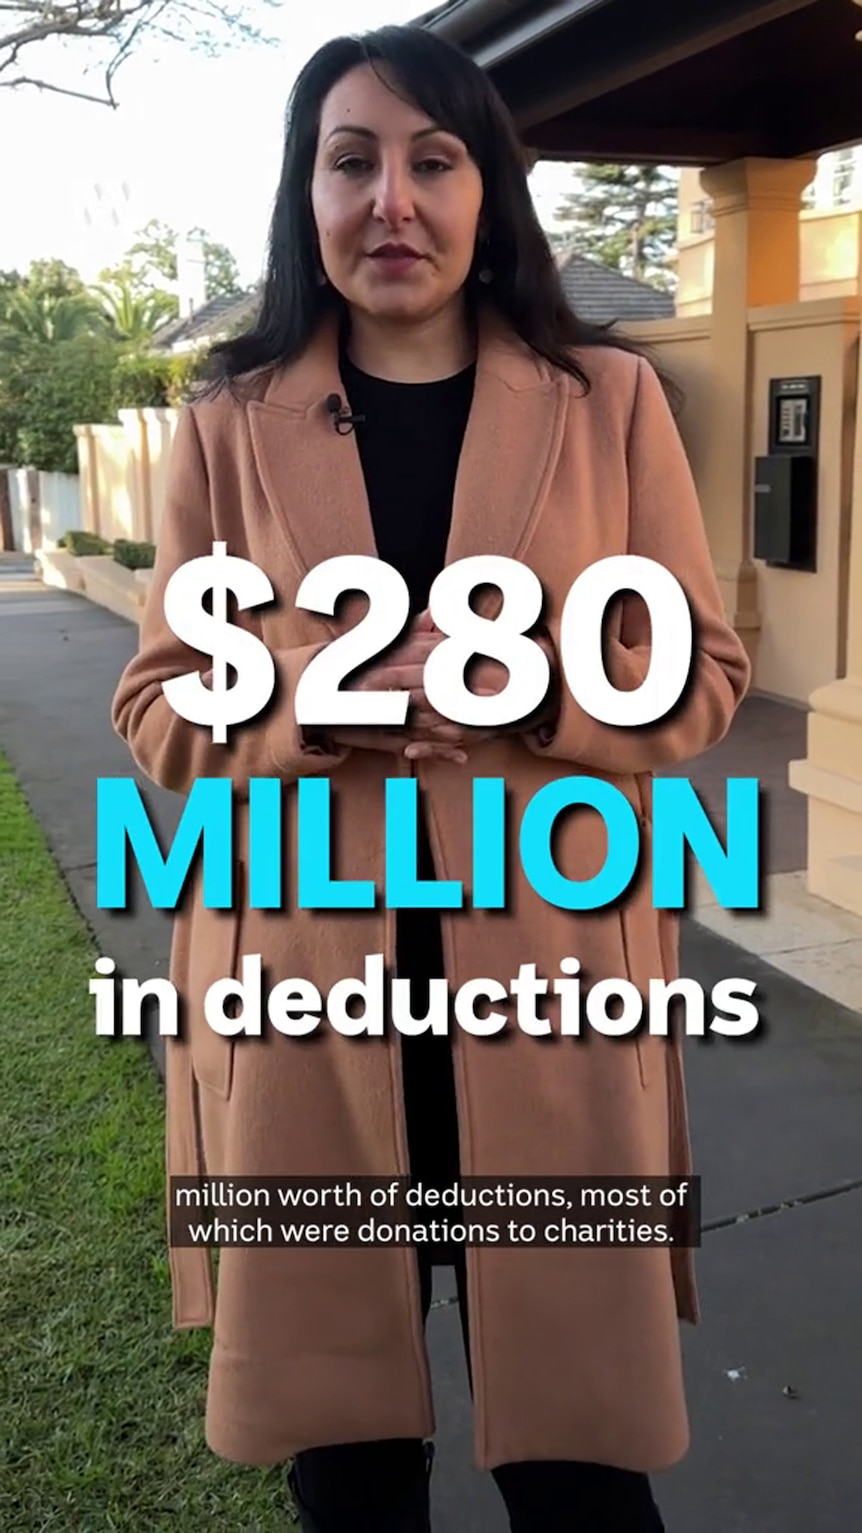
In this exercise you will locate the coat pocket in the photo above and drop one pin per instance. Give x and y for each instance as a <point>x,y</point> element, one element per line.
<point>641,934</point>
<point>215,955</point>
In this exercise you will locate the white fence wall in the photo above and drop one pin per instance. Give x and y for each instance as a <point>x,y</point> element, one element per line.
<point>43,507</point>
<point>21,489</point>
<point>59,506</point>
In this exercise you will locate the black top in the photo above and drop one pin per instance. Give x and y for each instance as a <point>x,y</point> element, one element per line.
<point>409,446</point>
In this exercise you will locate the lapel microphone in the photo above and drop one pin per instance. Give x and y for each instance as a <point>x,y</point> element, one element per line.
<point>342,419</point>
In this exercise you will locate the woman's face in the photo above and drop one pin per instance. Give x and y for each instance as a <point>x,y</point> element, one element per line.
<point>396,201</point>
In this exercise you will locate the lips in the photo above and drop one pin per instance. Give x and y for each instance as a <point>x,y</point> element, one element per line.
<point>396,253</point>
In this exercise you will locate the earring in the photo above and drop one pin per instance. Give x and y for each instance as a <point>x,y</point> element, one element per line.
<point>485,274</point>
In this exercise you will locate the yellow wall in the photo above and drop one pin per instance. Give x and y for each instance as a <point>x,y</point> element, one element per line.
<point>829,244</point>
<point>830,241</point>
<point>108,483</point>
<point>803,632</point>
<point>123,473</point>
<point>802,639</point>
<point>681,347</point>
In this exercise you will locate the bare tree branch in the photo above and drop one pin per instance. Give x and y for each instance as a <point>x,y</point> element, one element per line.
<point>120,25</point>
<point>61,90</point>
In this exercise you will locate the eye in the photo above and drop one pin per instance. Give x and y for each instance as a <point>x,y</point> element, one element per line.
<point>351,164</point>
<point>433,164</point>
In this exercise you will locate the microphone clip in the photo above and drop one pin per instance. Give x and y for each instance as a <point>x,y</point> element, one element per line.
<point>342,419</point>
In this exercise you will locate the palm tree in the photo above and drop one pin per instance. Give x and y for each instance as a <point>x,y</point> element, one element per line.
<point>45,318</point>
<point>133,316</point>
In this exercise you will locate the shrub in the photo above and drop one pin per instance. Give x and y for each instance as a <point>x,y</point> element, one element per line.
<point>185,371</point>
<point>83,543</point>
<point>141,382</point>
<point>47,389</point>
<point>13,381</point>
<point>154,381</point>
<point>68,383</point>
<point>134,556</point>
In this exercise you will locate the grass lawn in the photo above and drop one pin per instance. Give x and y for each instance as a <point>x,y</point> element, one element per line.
<point>101,1402</point>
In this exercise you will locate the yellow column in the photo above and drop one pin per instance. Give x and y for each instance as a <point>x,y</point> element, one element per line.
<point>134,423</point>
<point>88,470</point>
<point>755,204</point>
<point>831,774</point>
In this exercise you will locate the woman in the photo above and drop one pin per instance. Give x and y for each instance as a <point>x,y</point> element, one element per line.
<point>408,276</point>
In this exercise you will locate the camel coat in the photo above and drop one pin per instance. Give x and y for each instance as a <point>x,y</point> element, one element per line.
<point>575,1351</point>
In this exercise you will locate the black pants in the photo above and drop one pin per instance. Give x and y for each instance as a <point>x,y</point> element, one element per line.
<point>541,1497</point>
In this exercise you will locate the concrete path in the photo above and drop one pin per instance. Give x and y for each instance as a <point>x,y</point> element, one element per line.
<point>777,1128</point>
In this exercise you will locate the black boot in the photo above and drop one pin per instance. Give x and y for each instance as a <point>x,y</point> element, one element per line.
<point>414,1516</point>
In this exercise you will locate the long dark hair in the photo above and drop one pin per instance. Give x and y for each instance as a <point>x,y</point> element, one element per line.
<point>445,83</point>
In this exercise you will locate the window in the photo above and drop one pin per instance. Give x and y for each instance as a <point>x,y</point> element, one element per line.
<point>843,177</point>
<point>701,220</point>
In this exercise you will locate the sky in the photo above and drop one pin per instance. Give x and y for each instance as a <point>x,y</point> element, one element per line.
<point>195,141</point>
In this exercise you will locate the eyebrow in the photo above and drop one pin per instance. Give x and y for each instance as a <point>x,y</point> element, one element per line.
<point>346,127</point>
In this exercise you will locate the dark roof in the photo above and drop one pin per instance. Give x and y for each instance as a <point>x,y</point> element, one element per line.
<point>599,294</point>
<point>206,322</point>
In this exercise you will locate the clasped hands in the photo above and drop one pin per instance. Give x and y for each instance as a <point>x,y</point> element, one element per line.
<point>426,733</point>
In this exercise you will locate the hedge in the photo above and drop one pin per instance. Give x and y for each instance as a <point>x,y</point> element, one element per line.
<point>153,381</point>
<point>82,543</point>
<point>55,387</point>
<point>134,556</point>
<point>65,383</point>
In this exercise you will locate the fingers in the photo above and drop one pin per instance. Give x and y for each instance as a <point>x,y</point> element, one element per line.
<point>424,623</point>
<point>425,724</point>
<point>393,678</point>
<point>420,750</point>
<point>449,741</point>
<point>402,670</point>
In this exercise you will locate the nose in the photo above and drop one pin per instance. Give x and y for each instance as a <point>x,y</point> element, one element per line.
<point>393,193</point>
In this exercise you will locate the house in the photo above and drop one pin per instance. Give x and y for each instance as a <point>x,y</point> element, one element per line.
<point>601,295</point>
<point>213,321</point>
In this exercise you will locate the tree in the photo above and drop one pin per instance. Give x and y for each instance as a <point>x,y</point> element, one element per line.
<point>10,281</point>
<point>114,28</point>
<point>154,253</point>
<point>75,387</point>
<point>50,304</point>
<point>51,328</point>
<point>71,354</point>
<point>54,279</point>
<point>558,239</point>
<point>39,317</point>
<point>134,316</point>
<point>624,216</point>
<point>222,272</point>
<point>150,264</point>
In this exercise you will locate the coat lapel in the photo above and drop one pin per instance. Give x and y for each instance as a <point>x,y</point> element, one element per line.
<point>312,476</point>
<point>511,446</point>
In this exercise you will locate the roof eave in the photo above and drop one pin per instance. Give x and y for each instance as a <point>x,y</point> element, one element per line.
<point>495,30</point>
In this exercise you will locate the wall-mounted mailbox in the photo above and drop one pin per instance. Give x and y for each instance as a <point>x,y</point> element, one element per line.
<point>785,481</point>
